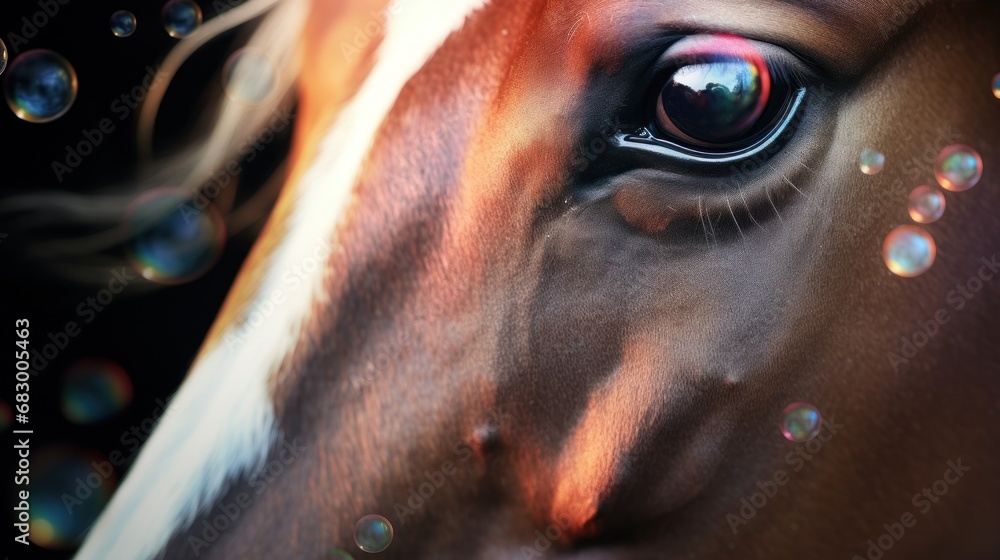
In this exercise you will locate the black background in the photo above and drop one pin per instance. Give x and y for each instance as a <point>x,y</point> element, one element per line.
<point>153,332</point>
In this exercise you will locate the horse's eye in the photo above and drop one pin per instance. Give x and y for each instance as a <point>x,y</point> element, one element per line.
<point>710,96</point>
<point>713,104</point>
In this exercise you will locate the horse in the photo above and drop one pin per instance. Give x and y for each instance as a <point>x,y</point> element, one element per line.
<point>515,321</point>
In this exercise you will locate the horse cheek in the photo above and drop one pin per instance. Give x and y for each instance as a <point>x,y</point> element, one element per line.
<point>795,462</point>
<point>955,300</point>
<point>920,502</point>
<point>463,451</point>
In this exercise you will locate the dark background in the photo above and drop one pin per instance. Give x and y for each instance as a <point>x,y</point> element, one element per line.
<point>151,331</point>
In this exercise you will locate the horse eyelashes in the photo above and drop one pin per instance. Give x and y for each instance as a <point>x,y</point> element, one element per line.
<point>701,141</point>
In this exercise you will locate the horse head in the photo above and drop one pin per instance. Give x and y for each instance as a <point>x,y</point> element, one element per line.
<point>526,293</point>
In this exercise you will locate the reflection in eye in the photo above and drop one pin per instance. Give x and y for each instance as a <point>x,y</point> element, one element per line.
<point>714,103</point>
<point>710,107</point>
<point>714,95</point>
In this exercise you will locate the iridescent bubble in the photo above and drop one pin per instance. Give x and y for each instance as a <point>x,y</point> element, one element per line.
<point>181,18</point>
<point>926,204</point>
<point>249,76</point>
<point>6,416</point>
<point>170,237</point>
<point>94,390</point>
<point>996,86</point>
<point>872,162</point>
<point>122,23</point>
<point>69,488</point>
<point>958,168</point>
<point>800,422</point>
<point>40,86</point>
<point>337,553</point>
<point>3,56</point>
<point>909,251</point>
<point>373,533</point>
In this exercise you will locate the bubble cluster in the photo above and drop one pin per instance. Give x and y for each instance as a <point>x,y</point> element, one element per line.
<point>169,238</point>
<point>909,251</point>
<point>123,23</point>
<point>249,76</point>
<point>996,86</point>
<point>40,86</point>
<point>94,390</point>
<point>871,162</point>
<point>800,422</point>
<point>69,488</point>
<point>926,204</point>
<point>181,18</point>
<point>373,533</point>
<point>958,168</point>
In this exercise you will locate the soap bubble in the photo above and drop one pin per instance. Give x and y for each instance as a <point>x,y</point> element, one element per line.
<point>958,168</point>
<point>122,23</point>
<point>171,238</point>
<point>69,488</point>
<point>6,416</point>
<point>40,86</point>
<point>373,533</point>
<point>94,390</point>
<point>872,162</point>
<point>800,422</point>
<point>926,204</point>
<point>181,18</point>
<point>909,251</point>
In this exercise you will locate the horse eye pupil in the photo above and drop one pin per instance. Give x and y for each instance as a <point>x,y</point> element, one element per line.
<point>714,102</point>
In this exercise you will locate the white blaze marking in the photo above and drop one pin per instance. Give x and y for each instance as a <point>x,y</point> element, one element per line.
<point>221,423</point>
